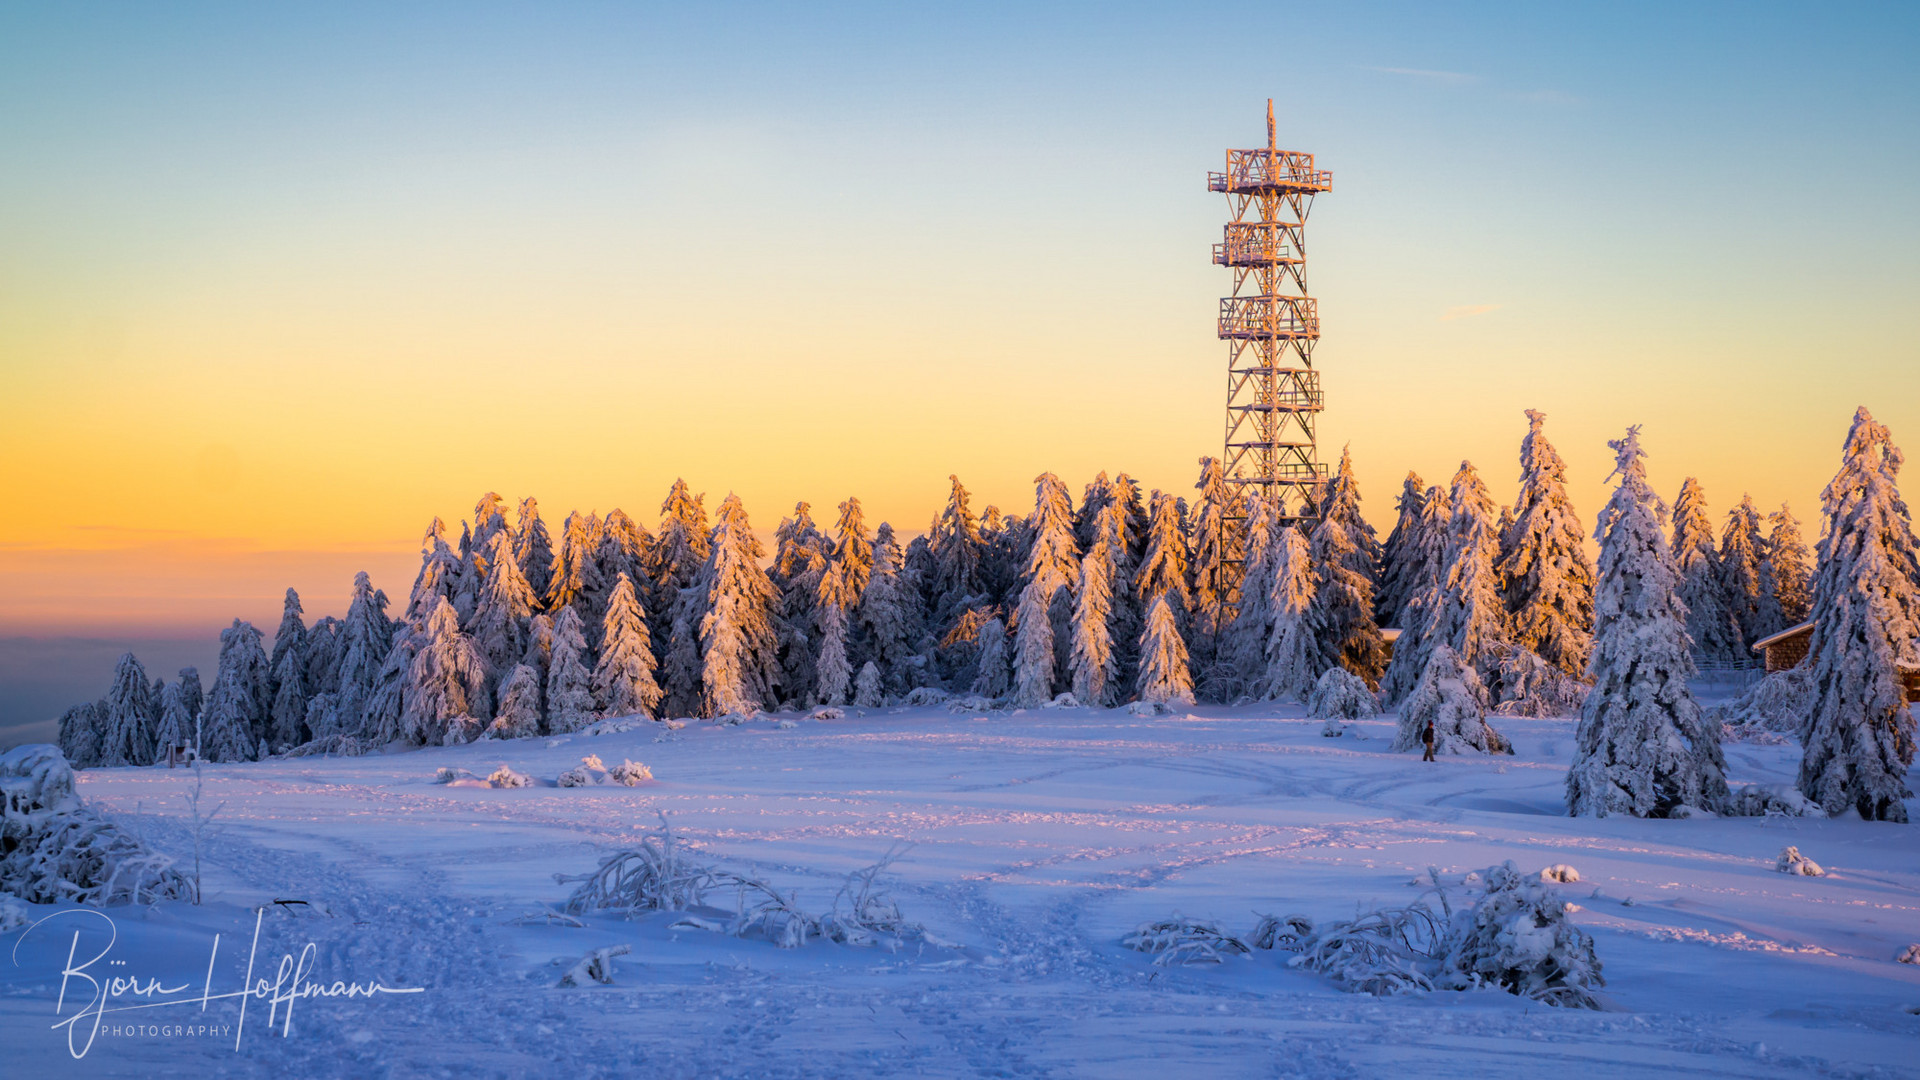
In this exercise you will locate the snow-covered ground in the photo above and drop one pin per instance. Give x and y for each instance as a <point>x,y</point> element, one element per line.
<point>1040,839</point>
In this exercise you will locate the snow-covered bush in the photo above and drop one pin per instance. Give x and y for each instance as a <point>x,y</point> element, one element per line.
<point>462,730</point>
<point>1560,873</point>
<point>870,914</point>
<point>595,967</point>
<point>591,772</point>
<point>1792,862</point>
<point>1529,686</point>
<point>1772,800</point>
<point>53,849</point>
<point>1063,700</point>
<point>1341,694</point>
<point>926,695</point>
<point>445,775</point>
<point>506,777</point>
<point>1181,940</point>
<point>828,712</point>
<point>13,913</point>
<point>630,773</point>
<point>1517,938</point>
<point>656,876</point>
<point>867,690</point>
<point>1908,955</point>
<point>1450,695</point>
<point>1332,729</point>
<point>1284,932</point>
<point>1771,711</point>
<point>1390,951</point>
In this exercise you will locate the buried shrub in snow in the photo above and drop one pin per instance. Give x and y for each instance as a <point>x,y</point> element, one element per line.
<point>657,876</point>
<point>1792,862</point>
<point>1340,694</point>
<point>58,851</point>
<point>592,772</point>
<point>1772,800</point>
<point>1908,955</point>
<point>506,777</point>
<point>1561,873</point>
<point>1514,937</point>
<point>1771,711</point>
<point>1517,938</point>
<point>595,967</point>
<point>1185,941</point>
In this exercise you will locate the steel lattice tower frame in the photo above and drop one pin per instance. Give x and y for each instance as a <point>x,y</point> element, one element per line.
<point>1273,392</point>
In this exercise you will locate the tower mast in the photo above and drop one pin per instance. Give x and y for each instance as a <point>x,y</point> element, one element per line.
<point>1270,324</point>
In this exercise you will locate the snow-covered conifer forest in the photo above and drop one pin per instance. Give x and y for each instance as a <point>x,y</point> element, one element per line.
<point>1067,789</point>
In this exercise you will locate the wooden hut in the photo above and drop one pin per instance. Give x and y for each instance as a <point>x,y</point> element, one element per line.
<point>1788,647</point>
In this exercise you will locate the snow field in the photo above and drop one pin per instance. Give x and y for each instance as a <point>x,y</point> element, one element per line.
<point>1040,840</point>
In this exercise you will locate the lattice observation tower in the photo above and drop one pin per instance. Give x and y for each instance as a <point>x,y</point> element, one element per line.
<point>1270,324</point>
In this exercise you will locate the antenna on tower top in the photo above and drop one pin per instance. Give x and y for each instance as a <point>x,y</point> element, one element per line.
<point>1272,142</point>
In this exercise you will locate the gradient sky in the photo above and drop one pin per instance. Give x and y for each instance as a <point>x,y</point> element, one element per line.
<point>278,283</point>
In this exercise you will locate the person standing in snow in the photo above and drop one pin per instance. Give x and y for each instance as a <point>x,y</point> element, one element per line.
<point>1426,736</point>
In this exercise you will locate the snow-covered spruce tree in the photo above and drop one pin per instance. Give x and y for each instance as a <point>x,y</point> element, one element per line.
<point>1003,556</point>
<point>1547,575</point>
<point>1426,568</point>
<point>868,691</point>
<point>322,652</point>
<point>852,554</point>
<point>800,564</point>
<point>885,612</point>
<point>1643,746</point>
<point>1219,544</point>
<point>1241,664</point>
<point>518,714</point>
<point>1053,566</point>
<point>1164,675</point>
<point>81,733</point>
<point>1095,497</point>
<point>738,642</point>
<point>1451,697</point>
<point>1344,552</point>
<point>193,699</point>
<point>1786,579</point>
<point>1033,669</point>
<point>1126,618</point>
<point>1742,551</point>
<point>1471,618</point>
<point>533,547</point>
<point>287,718</point>
<point>539,654</point>
<point>678,554</point>
<point>176,724</point>
<point>1859,737</point>
<point>1163,567</point>
<point>623,683</point>
<point>476,548</point>
<point>236,709</point>
<point>1710,622</point>
<point>625,547</point>
<point>1095,672</point>
<point>383,719</point>
<point>446,690</point>
<point>1294,658</point>
<point>365,637</point>
<point>569,683</point>
<point>955,545</point>
<point>439,567</point>
<point>292,635</point>
<point>576,577</point>
<point>1399,556</point>
<point>130,717</point>
<point>505,605</point>
<point>834,604</point>
<point>995,668</point>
